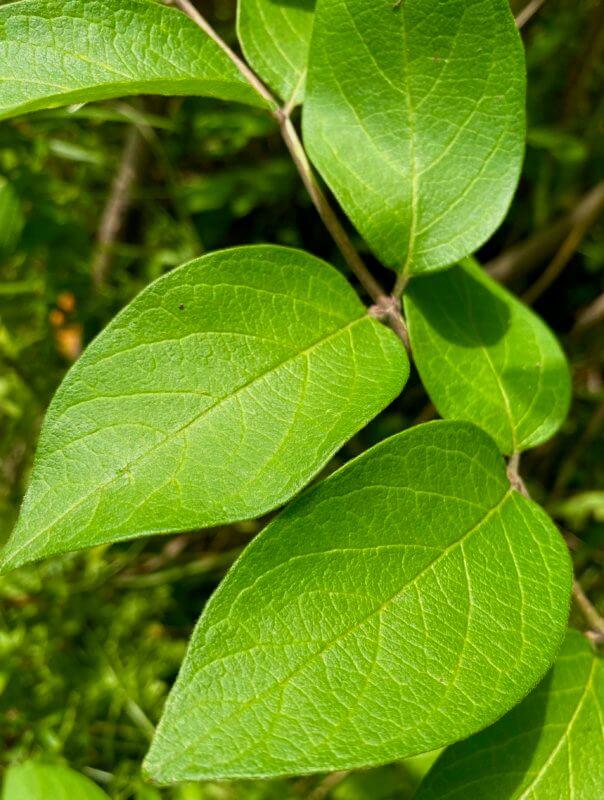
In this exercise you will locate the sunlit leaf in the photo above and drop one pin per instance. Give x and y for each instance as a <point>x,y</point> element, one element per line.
<point>402,604</point>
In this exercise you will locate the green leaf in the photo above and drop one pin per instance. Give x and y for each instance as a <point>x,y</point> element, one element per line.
<point>414,116</point>
<point>215,396</point>
<point>484,356</point>
<point>11,219</point>
<point>56,52</point>
<point>275,37</point>
<point>403,603</point>
<point>32,781</point>
<point>550,746</point>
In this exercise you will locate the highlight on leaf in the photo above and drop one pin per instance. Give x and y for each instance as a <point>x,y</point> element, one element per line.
<point>215,396</point>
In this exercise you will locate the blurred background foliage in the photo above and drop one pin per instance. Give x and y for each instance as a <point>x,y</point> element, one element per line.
<point>97,201</point>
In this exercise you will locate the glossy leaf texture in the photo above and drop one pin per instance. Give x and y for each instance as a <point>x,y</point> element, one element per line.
<point>56,52</point>
<point>34,781</point>
<point>405,602</point>
<point>275,37</point>
<point>550,746</point>
<point>215,396</point>
<point>485,357</point>
<point>414,116</point>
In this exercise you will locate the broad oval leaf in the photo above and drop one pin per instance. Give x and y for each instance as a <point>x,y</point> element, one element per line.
<point>414,116</point>
<point>275,37</point>
<point>550,746</point>
<point>56,52</point>
<point>485,357</point>
<point>405,602</point>
<point>34,781</point>
<point>215,396</point>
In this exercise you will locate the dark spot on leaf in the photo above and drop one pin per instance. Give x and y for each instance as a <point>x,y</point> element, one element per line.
<point>181,307</point>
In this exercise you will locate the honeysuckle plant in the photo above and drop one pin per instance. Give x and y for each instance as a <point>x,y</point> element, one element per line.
<point>415,598</point>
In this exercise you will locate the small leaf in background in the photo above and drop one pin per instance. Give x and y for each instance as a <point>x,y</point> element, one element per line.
<point>550,746</point>
<point>11,219</point>
<point>414,116</point>
<point>33,781</point>
<point>485,357</point>
<point>275,37</point>
<point>54,53</point>
<point>402,604</point>
<point>215,396</point>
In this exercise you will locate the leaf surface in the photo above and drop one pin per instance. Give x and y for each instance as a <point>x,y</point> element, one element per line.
<point>215,396</point>
<point>275,37</point>
<point>414,116</point>
<point>485,357</point>
<point>32,781</point>
<point>550,746</point>
<point>57,52</point>
<point>405,602</point>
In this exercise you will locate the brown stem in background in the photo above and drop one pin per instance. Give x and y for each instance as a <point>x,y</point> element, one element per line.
<point>569,246</point>
<point>118,203</point>
<point>590,316</point>
<point>523,258</point>
<point>527,12</point>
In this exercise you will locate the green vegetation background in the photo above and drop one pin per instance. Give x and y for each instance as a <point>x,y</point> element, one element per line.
<point>90,643</point>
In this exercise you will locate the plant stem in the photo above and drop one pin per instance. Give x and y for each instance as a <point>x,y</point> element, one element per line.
<point>386,308</point>
<point>590,613</point>
<point>527,12</point>
<point>250,76</point>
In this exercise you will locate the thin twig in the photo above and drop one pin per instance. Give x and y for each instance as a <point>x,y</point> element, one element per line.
<point>525,257</point>
<point>327,784</point>
<point>591,315</point>
<point>569,246</point>
<point>527,12</point>
<point>118,203</point>
<point>590,613</point>
<point>189,9</point>
<point>386,307</point>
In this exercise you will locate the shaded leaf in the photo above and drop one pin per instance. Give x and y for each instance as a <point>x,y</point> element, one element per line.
<point>275,37</point>
<point>550,746</point>
<point>56,52</point>
<point>403,603</point>
<point>215,396</point>
<point>414,116</point>
<point>484,356</point>
<point>33,781</point>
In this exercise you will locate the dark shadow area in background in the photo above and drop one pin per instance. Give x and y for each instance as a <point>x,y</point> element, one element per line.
<point>306,5</point>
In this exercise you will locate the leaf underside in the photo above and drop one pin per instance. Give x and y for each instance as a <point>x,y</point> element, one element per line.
<point>57,52</point>
<point>215,396</point>
<point>485,357</point>
<point>414,116</point>
<point>403,603</point>
<point>275,37</point>
<point>550,746</point>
